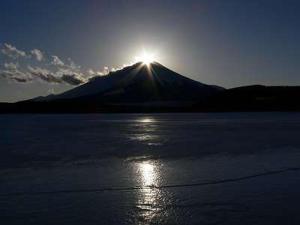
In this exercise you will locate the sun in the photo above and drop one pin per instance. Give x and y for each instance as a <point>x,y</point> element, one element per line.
<point>146,57</point>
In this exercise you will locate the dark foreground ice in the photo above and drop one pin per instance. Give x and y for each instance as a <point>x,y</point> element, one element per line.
<point>223,168</point>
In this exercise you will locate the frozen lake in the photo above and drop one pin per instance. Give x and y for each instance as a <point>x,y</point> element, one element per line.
<point>214,168</point>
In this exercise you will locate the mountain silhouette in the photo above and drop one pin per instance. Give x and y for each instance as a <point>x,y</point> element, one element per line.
<point>139,84</point>
<point>155,88</point>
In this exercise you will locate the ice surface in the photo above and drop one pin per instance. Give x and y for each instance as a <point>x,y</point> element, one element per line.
<point>223,168</point>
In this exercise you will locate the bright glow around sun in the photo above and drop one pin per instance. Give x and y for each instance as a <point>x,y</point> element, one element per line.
<point>146,57</point>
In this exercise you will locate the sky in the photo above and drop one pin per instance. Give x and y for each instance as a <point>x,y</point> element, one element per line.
<point>47,47</point>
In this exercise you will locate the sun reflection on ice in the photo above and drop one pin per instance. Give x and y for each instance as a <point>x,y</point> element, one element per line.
<point>148,173</point>
<point>149,197</point>
<point>146,131</point>
<point>146,120</point>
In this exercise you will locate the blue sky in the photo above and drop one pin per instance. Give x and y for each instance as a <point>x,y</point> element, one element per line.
<point>224,42</point>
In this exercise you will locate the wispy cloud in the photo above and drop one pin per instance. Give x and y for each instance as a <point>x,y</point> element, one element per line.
<point>11,71</point>
<point>71,76</point>
<point>11,66</point>
<point>37,54</point>
<point>25,67</point>
<point>12,52</point>
<point>56,61</point>
<point>36,65</point>
<point>60,76</point>
<point>43,74</point>
<point>72,79</point>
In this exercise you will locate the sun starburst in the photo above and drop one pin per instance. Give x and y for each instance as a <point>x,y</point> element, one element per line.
<point>146,58</point>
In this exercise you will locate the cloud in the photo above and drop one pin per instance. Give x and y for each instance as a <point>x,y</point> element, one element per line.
<point>56,61</point>
<point>106,70</point>
<point>72,79</point>
<point>20,79</point>
<point>12,72</point>
<point>11,66</point>
<point>34,65</point>
<point>72,65</point>
<point>91,73</point>
<point>61,76</point>
<point>44,75</point>
<point>12,52</point>
<point>37,54</point>
<point>70,76</point>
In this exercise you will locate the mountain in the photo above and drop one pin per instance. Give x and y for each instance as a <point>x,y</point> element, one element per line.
<point>138,84</point>
<point>155,88</point>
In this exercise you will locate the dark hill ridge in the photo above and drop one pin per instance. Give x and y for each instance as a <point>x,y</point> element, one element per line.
<point>256,98</point>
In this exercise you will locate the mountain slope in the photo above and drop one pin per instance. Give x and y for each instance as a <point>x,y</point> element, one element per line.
<point>138,84</point>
